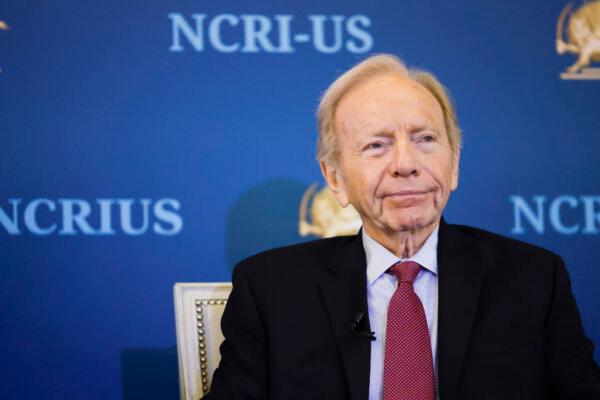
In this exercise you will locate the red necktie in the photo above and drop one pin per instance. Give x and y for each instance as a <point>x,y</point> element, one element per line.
<point>408,365</point>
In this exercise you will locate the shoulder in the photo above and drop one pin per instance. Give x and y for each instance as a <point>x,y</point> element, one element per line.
<point>507,248</point>
<point>306,256</point>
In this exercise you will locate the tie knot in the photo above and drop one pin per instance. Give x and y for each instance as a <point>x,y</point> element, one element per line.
<point>405,271</point>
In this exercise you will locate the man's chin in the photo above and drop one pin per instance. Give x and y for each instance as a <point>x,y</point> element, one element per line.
<point>411,223</point>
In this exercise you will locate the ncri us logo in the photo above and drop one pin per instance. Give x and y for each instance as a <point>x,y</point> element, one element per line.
<point>256,33</point>
<point>69,217</point>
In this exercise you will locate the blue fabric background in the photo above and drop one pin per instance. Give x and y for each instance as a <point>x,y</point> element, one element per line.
<point>94,105</point>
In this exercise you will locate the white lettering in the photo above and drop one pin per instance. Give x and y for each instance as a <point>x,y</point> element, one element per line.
<point>126,223</point>
<point>30,217</point>
<point>521,208</point>
<point>555,219</point>
<point>11,225</point>
<point>318,23</point>
<point>285,37</point>
<point>105,216</point>
<point>352,26</point>
<point>592,216</point>
<point>172,218</point>
<point>194,37</point>
<point>72,217</point>
<point>214,33</point>
<point>256,29</point>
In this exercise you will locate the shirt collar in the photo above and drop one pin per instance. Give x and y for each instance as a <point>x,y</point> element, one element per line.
<point>379,259</point>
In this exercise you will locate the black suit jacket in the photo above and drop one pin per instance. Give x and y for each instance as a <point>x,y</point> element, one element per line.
<point>508,325</point>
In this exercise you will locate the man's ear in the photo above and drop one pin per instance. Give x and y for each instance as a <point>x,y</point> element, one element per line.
<point>455,164</point>
<point>335,181</point>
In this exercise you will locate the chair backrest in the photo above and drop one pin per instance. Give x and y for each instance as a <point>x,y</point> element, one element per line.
<point>198,311</point>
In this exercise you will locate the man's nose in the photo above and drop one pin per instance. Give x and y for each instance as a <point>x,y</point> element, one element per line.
<point>403,159</point>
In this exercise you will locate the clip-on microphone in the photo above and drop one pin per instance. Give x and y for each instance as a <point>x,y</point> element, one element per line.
<point>354,327</point>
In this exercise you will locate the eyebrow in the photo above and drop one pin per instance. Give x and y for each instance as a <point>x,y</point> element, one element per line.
<point>385,131</point>
<point>417,128</point>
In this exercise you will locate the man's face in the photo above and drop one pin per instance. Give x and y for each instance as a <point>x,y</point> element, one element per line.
<point>395,164</point>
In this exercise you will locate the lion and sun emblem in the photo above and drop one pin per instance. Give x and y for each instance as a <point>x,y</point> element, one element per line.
<point>583,33</point>
<point>327,217</point>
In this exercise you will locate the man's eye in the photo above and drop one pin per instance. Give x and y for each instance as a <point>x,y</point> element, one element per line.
<point>374,146</point>
<point>428,138</point>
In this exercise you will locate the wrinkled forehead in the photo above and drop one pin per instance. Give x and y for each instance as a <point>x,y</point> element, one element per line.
<point>385,100</point>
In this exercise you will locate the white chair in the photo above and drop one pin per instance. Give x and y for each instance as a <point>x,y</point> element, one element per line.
<point>198,311</point>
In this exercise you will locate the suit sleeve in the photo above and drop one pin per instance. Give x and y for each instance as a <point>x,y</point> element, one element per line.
<point>572,371</point>
<point>242,372</point>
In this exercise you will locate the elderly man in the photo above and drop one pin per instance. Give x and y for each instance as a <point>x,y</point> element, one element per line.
<point>411,307</point>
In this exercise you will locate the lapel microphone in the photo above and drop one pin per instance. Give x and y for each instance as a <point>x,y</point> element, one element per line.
<point>354,327</point>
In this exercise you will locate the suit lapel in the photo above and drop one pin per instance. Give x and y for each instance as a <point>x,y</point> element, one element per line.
<point>344,289</point>
<point>460,279</point>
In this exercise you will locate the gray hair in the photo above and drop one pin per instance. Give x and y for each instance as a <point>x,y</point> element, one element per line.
<point>375,66</point>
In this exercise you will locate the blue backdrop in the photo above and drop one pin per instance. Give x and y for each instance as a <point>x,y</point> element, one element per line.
<point>148,143</point>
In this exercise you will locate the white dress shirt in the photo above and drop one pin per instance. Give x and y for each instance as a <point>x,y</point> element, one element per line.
<point>381,287</point>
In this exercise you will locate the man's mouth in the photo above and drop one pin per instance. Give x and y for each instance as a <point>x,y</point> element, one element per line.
<point>406,198</point>
<point>407,193</point>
